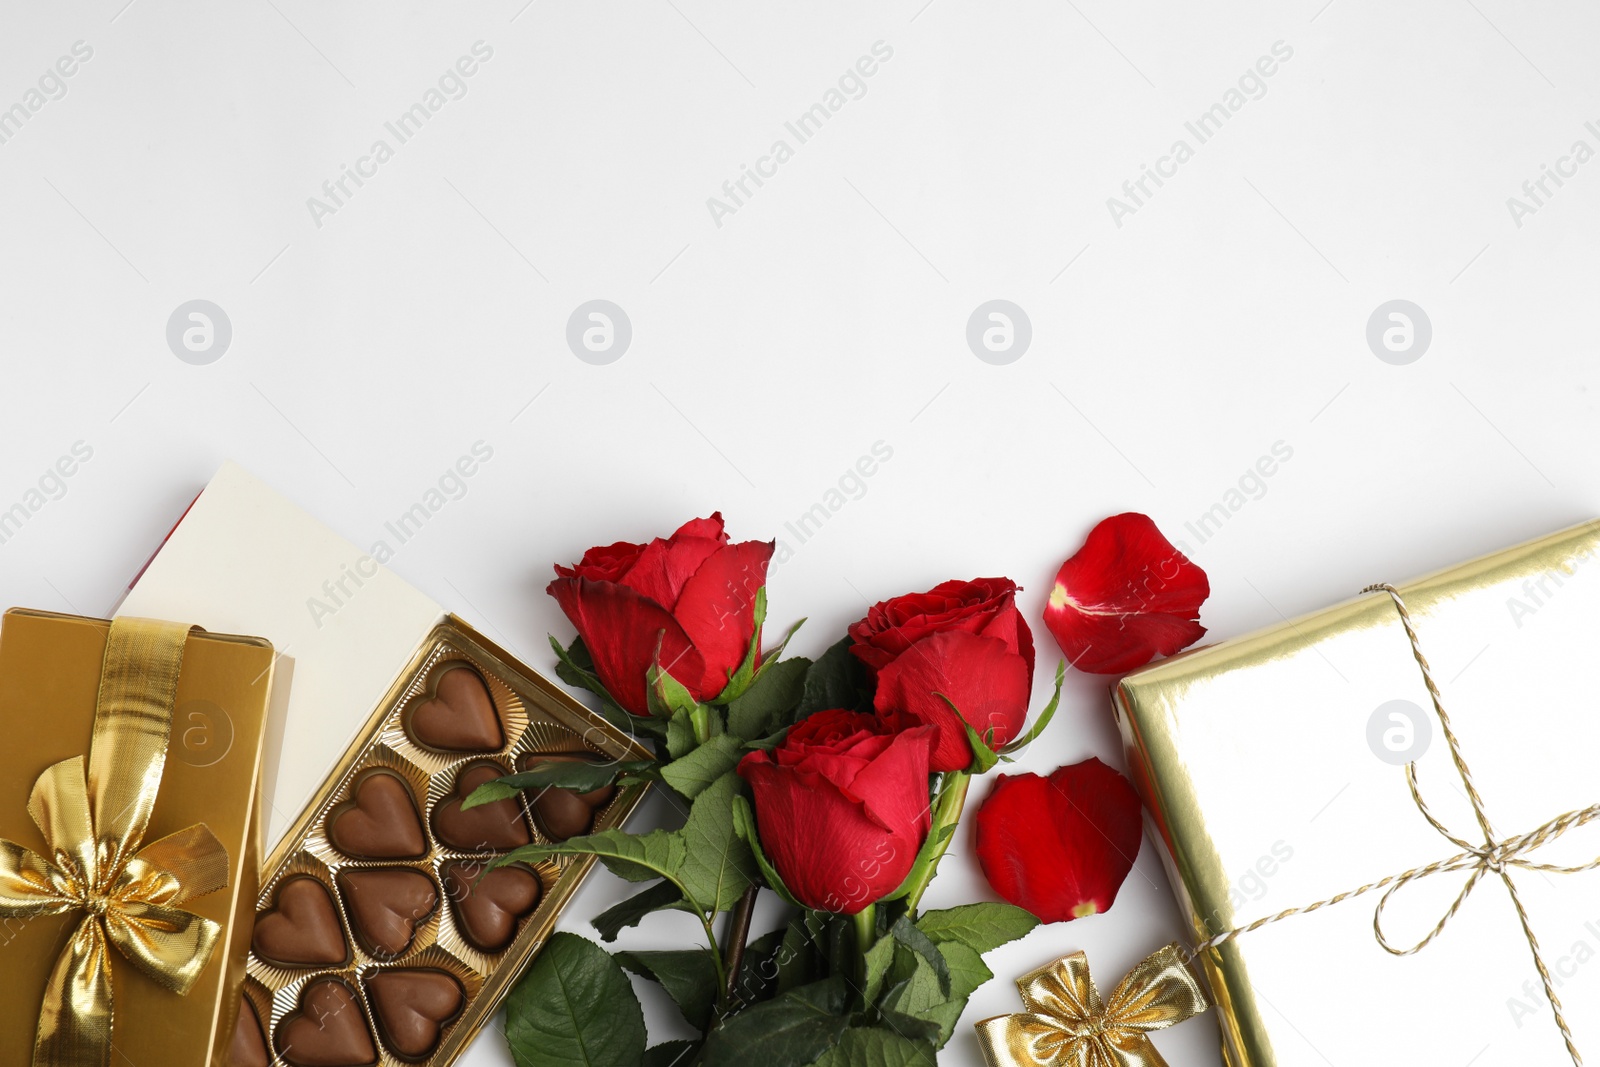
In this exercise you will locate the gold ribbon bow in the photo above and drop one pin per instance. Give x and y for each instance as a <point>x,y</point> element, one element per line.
<point>93,820</point>
<point>1066,1025</point>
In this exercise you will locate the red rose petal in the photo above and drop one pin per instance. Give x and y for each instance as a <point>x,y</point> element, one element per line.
<point>1060,847</point>
<point>1126,597</point>
<point>620,628</point>
<point>717,608</point>
<point>904,758</point>
<point>981,676</point>
<point>667,563</point>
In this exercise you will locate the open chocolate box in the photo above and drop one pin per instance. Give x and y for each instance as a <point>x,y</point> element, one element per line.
<point>379,937</point>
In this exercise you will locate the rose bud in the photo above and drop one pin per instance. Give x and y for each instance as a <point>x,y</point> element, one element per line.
<point>842,807</point>
<point>1060,846</point>
<point>694,593</point>
<point>964,641</point>
<point>1126,597</point>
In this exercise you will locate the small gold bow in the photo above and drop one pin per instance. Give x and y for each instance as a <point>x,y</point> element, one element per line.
<point>1065,1024</point>
<point>93,819</point>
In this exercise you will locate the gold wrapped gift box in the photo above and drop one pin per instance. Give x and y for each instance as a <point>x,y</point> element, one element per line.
<point>1273,771</point>
<point>50,673</point>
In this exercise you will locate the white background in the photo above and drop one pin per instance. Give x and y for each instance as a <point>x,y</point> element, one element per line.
<point>827,313</point>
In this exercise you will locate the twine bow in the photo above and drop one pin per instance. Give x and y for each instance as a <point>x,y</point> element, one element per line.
<point>1065,1024</point>
<point>93,819</point>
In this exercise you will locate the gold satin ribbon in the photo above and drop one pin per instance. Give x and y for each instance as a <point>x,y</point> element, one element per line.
<point>1067,1025</point>
<point>93,819</point>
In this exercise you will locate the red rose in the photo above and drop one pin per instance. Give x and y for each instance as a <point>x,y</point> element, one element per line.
<point>1061,846</point>
<point>693,592</point>
<point>965,641</point>
<point>842,807</point>
<point>985,606</point>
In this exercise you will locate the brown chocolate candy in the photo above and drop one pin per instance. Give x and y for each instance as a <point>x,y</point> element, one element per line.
<point>386,905</point>
<point>412,1007</point>
<point>380,822</point>
<point>301,929</point>
<point>496,827</point>
<point>460,716</point>
<point>487,911</point>
<point>249,1046</point>
<point>561,813</point>
<point>327,1028</point>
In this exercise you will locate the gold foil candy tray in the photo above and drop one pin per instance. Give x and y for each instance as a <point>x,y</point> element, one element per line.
<point>535,718</point>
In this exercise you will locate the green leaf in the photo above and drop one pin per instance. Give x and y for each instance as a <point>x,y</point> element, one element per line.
<point>910,1027</point>
<point>789,1031</point>
<point>878,958</point>
<point>764,708</point>
<point>967,972</point>
<point>574,1008</point>
<point>917,941</point>
<point>836,680</point>
<point>680,734</point>
<point>671,1054</point>
<point>580,776</point>
<point>574,665</point>
<point>744,822</point>
<point>636,857</point>
<point>799,957</point>
<point>875,1047</point>
<point>689,976</point>
<point>717,864</point>
<point>695,772</point>
<point>1044,718</point>
<point>920,995</point>
<point>758,971</point>
<point>632,911</point>
<point>739,680</point>
<point>980,927</point>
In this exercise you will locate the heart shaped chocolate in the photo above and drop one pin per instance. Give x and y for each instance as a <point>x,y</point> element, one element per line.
<point>327,1029</point>
<point>386,905</point>
<point>496,827</point>
<point>459,717</point>
<point>560,813</point>
<point>487,911</point>
<point>380,822</point>
<point>412,1006</point>
<point>249,1046</point>
<point>301,929</point>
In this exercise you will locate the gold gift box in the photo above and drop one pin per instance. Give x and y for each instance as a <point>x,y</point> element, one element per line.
<point>1272,768</point>
<point>49,681</point>
<point>359,646</point>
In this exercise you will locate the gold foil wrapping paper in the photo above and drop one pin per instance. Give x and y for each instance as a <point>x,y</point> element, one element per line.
<point>181,906</point>
<point>1272,767</point>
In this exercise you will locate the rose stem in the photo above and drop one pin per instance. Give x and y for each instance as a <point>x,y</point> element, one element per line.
<point>946,812</point>
<point>737,933</point>
<point>866,921</point>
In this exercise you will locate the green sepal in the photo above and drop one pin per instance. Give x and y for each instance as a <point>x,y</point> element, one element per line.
<point>740,679</point>
<point>744,821</point>
<point>1045,715</point>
